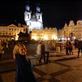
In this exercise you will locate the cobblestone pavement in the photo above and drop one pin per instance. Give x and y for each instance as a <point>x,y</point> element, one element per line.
<point>61,68</point>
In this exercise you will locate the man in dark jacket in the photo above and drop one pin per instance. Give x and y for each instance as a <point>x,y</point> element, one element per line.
<point>42,57</point>
<point>79,47</point>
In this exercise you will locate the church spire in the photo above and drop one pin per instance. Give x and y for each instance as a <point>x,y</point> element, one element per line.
<point>27,6</point>
<point>38,10</point>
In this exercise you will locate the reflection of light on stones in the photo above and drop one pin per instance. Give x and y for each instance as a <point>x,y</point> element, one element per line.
<point>47,77</point>
<point>45,81</point>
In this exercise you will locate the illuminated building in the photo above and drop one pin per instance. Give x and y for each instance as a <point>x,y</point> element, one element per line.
<point>71,31</point>
<point>34,22</point>
<point>44,34</point>
<point>11,32</point>
<point>33,19</point>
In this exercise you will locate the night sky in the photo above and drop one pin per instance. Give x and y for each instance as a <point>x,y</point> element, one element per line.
<point>55,12</point>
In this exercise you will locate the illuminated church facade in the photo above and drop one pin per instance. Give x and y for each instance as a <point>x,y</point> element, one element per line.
<point>33,19</point>
<point>71,31</point>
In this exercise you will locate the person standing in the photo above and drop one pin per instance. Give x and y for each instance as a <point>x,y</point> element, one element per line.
<point>23,68</point>
<point>41,51</point>
<point>67,47</point>
<point>1,49</point>
<point>79,48</point>
<point>46,53</point>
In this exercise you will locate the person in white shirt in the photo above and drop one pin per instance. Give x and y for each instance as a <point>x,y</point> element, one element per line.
<point>41,51</point>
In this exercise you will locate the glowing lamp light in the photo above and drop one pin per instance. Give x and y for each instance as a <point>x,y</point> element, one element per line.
<point>45,37</point>
<point>16,38</point>
<point>62,38</point>
<point>68,38</point>
<point>54,37</point>
<point>34,37</point>
<point>74,37</point>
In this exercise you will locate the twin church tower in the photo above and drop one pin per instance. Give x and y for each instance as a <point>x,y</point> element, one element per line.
<point>33,16</point>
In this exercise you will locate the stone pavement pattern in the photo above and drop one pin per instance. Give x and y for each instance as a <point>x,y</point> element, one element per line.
<point>61,68</point>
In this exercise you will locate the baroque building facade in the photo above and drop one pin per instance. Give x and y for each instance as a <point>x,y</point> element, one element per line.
<point>71,31</point>
<point>11,32</point>
<point>44,34</point>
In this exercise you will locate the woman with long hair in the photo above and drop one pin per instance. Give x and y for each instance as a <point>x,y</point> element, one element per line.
<point>23,68</point>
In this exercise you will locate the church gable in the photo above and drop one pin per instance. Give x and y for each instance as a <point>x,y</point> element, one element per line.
<point>12,25</point>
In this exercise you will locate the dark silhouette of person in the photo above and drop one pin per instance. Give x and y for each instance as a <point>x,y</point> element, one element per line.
<point>46,53</point>
<point>23,67</point>
<point>42,56</point>
<point>70,48</point>
<point>79,48</point>
<point>76,43</point>
<point>67,47</point>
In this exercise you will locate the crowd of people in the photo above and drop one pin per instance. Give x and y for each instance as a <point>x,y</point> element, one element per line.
<point>23,65</point>
<point>69,46</point>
